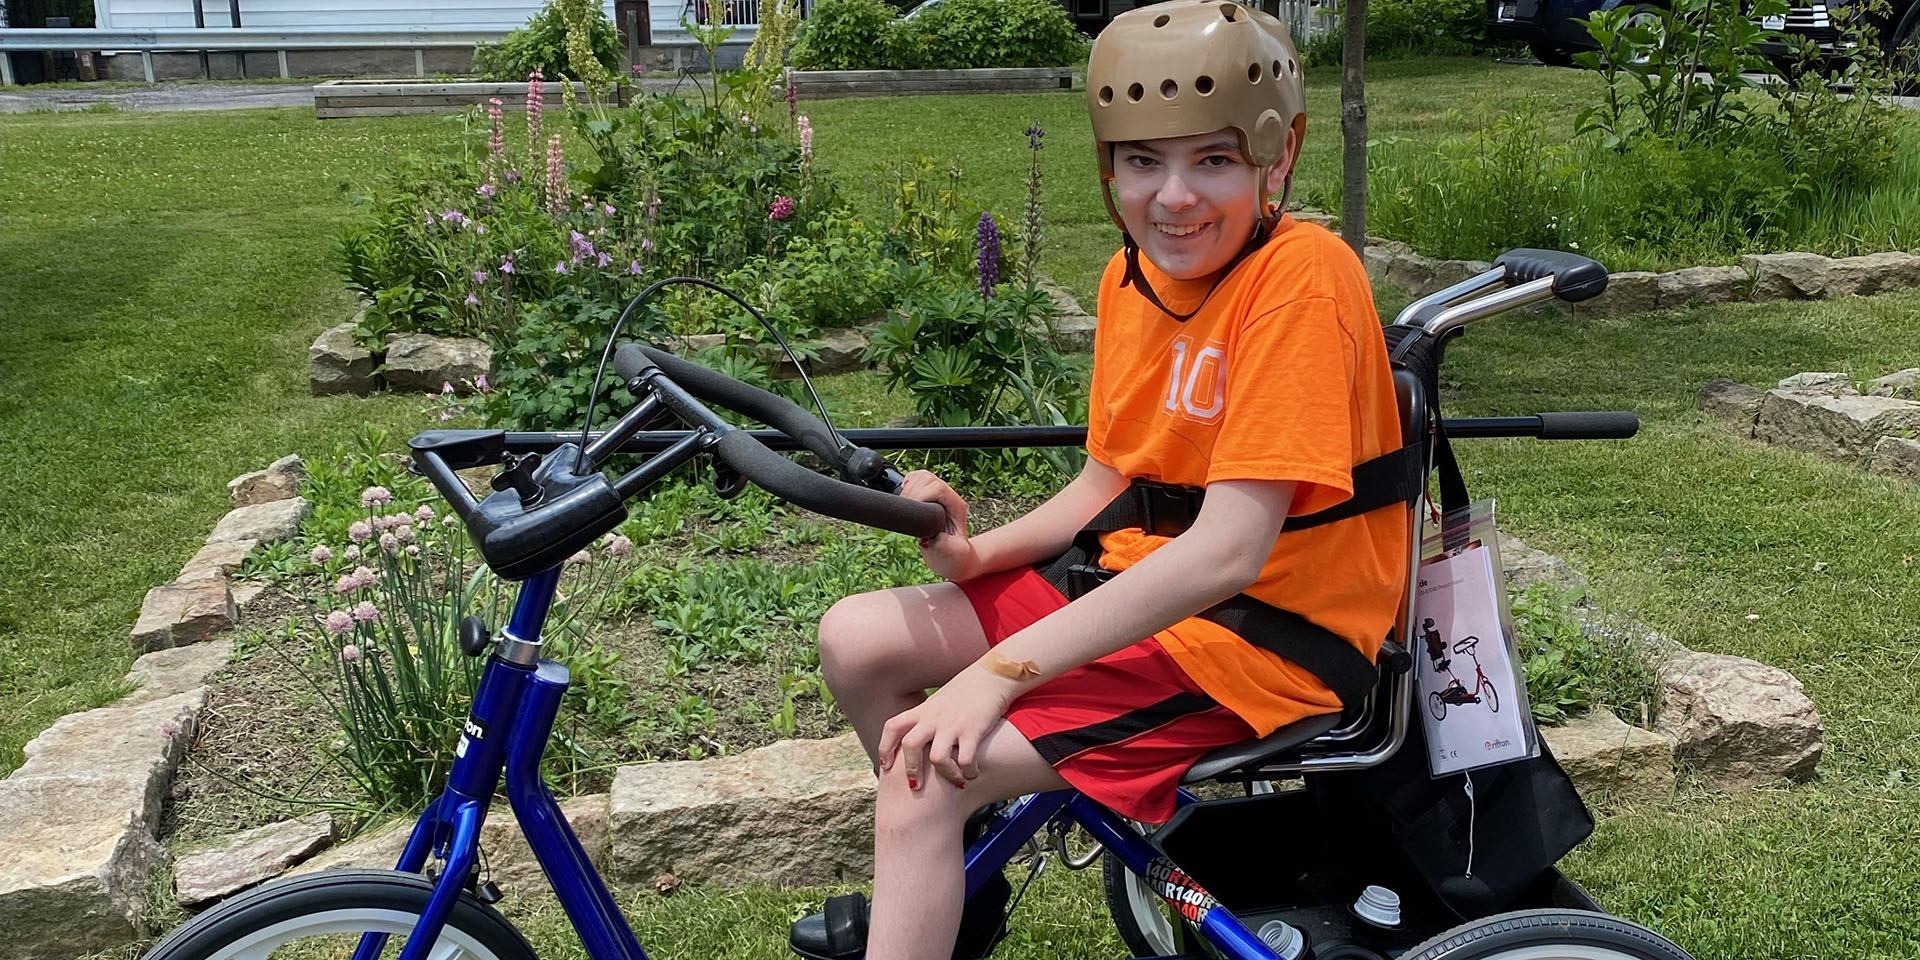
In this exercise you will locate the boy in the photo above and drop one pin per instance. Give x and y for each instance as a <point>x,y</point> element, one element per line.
<point>1237,351</point>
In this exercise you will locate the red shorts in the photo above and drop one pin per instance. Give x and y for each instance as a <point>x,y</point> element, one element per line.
<point>1122,729</point>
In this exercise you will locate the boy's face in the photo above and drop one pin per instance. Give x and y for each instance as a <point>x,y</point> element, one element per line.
<point>1191,202</point>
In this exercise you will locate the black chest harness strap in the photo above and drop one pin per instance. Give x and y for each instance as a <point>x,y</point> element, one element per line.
<point>1167,510</point>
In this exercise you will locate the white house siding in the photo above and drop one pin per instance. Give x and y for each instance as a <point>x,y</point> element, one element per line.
<point>451,15</point>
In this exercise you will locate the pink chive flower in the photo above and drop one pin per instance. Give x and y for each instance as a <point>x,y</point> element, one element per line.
<point>360,531</point>
<point>365,612</point>
<point>350,554</point>
<point>349,653</point>
<point>449,520</point>
<point>780,209</point>
<point>346,584</point>
<point>320,555</point>
<point>403,534</point>
<point>424,513</point>
<point>376,497</point>
<point>364,576</point>
<point>620,546</point>
<point>580,557</point>
<point>339,622</point>
<point>413,549</point>
<point>389,543</point>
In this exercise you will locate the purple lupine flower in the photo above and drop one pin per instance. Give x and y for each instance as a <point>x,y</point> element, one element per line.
<point>497,135</point>
<point>634,268</point>
<point>376,497</point>
<point>556,177</point>
<point>987,239</point>
<point>479,276</point>
<point>487,190</point>
<point>793,99</point>
<point>360,531</point>
<point>365,612</point>
<point>473,299</point>
<point>605,259</point>
<point>320,555</point>
<point>1035,134</point>
<point>339,622</point>
<point>534,98</point>
<point>780,209</point>
<point>506,264</point>
<point>560,267</point>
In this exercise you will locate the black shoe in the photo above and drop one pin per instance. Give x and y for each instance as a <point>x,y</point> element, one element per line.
<point>840,931</point>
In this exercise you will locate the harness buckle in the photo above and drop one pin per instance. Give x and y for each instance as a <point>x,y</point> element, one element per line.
<point>1083,577</point>
<point>1169,509</point>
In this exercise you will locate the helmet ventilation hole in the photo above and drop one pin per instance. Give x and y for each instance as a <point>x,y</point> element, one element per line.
<point>1203,85</point>
<point>1135,92</point>
<point>1230,11</point>
<point>1169,89</point>
<point>1276,69</point>
<point>1253,73</point>
<point>1292,67</point>
<point>1106,95</point>
<point>1162,20</point>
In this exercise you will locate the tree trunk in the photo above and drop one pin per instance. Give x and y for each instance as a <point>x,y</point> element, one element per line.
<point>1353,128</point>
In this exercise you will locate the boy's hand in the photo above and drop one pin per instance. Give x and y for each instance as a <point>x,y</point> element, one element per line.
<point>948,553</point>
<point>942,735</point>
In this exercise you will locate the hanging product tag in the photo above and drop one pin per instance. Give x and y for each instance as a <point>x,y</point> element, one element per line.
<point>1473,699</point>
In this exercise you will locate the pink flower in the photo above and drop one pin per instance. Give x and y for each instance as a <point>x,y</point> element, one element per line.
<point>560,267</point>
<point>781,209</point>
<point>360,531</point>
<point>605,258</point>
<point>320,555</point>
<point>479,227</point>
<point>639,70</point>
<point>479,276</point>
<point>486,190</point>
<point>389,543</point>
<point>472,300</point>
<point>454,217</point>
<point>376,497</point>
<point>365,612</point>
<point>646,243</point>
<point>449,520</point>
<point>506,265</point>
<point>349,653</point>
<point>446,386</point>
<point>339,622</point>
<point>496,137</point>
<point>806,138</point>
<point>424,513</point>
<point>634,268</point>
<point>481,383</point>
<point>534,98</point>
<point>620,546</point>
<point>446,415</point>
<point>556,177</point>
<point>170,729</point>
<point>608,210</point>
<point>580,557</point>
<point>413,549</point>
<point>364,575</point>
<point>403,533</point>
<point>350,554</point>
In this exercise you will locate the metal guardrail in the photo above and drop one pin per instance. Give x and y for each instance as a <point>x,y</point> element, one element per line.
<point>197,39</point>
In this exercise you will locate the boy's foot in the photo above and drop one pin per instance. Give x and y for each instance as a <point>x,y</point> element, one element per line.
<point>840,931</point>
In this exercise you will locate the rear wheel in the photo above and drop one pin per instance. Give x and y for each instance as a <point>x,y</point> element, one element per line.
<point>1548,935</point>
<point>1551,55</point>
<point>1493,699</point>
<point>322,916</point>
<point>1437,705</point>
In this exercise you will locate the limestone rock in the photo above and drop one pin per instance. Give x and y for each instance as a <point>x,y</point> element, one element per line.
<point>1896,457</point>
<point>376,849</point>
<point>78,848</point>
<point>1413,273</point>
<point>799,812</point>
<point>1871,274</point>
<point>689,345</point>
<point>1446,273</point>
<point>1316,218</point>
<point>1728,400</point>
<point>245,593</point>
<point>1738,722</point>
<point>337,364</point>
<point>1609,759</point>
<point>250,857</point>
<point>1786,276</point>
<point>1072,327</point>
<point>263,522</point>
<point>510,862</point>
<point>1629,291</point>
<point>181,613</point>
<point>163,673</point>
<point>1845,428</point>
<point>417,361</point>
<point>1524,566</point>
<point>278,481</point>
<point>1379,256</point>
<point>216,561</point>
<point>1823,384</point>
<point>1901,384</point>
<point>836,351</point>
<point>1700,285</point>
<point>141,744</point>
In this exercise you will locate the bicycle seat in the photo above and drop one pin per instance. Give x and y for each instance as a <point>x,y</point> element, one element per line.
<point>1257,753</point>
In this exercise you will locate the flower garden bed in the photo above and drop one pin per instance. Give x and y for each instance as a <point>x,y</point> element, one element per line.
<point>825,84</point>
<point>387,98</point>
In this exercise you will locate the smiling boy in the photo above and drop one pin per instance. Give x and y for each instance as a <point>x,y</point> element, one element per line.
<point>1240,376</point>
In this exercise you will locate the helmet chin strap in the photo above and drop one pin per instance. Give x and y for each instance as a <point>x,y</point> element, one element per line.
<point>1266,220</point>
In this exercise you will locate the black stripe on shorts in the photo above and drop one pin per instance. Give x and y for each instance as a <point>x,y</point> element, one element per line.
<point>1055,747</point>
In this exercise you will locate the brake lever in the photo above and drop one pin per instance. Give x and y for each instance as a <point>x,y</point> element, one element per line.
<point>727,482</point>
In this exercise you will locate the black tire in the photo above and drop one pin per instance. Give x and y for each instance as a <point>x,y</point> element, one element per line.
<point>1436,705</point>
<point>1583,935</point>
<point>1551,55</point>
<point>1493,699</point>
<point>346,898</point>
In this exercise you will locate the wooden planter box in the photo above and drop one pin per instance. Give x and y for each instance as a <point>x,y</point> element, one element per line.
<point>384,98</point>
<point>823,84</point>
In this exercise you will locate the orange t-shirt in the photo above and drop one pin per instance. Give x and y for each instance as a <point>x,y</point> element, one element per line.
<point>1283,375</point>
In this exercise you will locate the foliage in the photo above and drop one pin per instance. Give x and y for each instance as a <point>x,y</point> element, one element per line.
<point>955,34</point>
<point>1408,29</point>
<point>1570,669</point>
<point>541,44</point>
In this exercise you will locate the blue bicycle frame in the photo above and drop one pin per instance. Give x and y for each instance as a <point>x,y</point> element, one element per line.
<point>513,713</point>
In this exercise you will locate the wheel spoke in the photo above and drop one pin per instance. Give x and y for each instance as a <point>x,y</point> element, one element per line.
<point>446,950</point>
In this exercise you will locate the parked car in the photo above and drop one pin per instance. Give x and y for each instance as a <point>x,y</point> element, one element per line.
<point>1550,30</point>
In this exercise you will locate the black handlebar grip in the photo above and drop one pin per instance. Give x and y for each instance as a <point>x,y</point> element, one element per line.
<point>717,388</point>
<point>1593,425</point>
<point>822,494</point>
<point>1575,278</point>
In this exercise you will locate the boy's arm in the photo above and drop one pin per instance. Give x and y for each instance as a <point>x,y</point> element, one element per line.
<point>1041,534</point>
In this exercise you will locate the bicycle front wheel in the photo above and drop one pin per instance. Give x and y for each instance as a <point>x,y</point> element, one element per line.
<point>322,917</point>
<point>1548,935</point>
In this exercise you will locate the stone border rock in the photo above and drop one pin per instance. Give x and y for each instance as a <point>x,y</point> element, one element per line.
<point>1826,414</point>
<point>1758,277</point>
<point>338,363</point>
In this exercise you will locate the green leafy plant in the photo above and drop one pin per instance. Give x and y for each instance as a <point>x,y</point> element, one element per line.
<point>541,44</point>
<point>1570,669</point>
<point>844,35</point>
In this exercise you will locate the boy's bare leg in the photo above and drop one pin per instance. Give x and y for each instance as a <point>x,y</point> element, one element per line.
<point>919,869</point>
<point>880,651</point>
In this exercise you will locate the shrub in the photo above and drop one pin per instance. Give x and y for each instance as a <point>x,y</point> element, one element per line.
<point>960,34</point>
<point>844,35</point>
<point>1570,669</point>
<point>541,44</point>
<point>1405,29</point>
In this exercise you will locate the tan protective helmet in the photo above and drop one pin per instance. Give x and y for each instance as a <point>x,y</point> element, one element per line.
<point>1187,67</point>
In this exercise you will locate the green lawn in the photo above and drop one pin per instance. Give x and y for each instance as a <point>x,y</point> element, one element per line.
<point>163,274</point>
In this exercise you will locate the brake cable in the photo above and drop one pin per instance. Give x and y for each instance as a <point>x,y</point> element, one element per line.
<point>593,398</point>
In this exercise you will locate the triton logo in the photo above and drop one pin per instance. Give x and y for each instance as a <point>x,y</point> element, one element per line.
<point>475,729</point>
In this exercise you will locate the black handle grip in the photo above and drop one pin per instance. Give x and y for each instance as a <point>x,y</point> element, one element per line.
<point>1575,278</point>
<point>1589,425</point>
<point>822,494</point>
<point>717,388</point>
